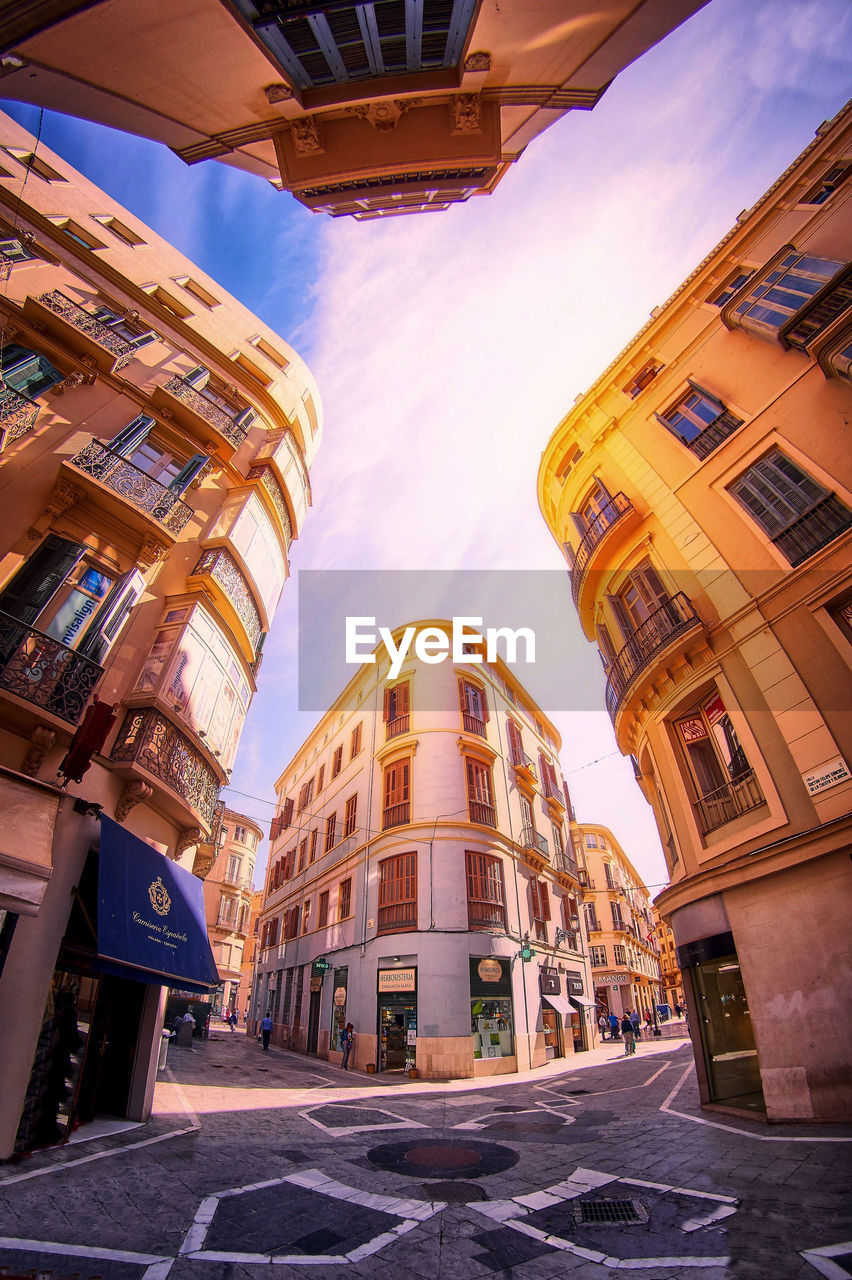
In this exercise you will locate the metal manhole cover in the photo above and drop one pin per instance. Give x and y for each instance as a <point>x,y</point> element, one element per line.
<point>606,1212</point>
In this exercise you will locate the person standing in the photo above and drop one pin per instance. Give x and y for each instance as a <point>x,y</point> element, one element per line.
<point>266,1031</point>
<point>603,1024</point>
<point>613,1026</point>
<point>628,1035</point>
<point>347,1040</point>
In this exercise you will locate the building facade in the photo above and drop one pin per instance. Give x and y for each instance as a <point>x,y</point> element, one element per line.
<point>249,956</point>
<point>420,839</point>
<point>702,492</point>
<point>671,979</point>
<point>153,470</point>
<point>228,895</point>
<point>366,109</point>
<point>622,944</point>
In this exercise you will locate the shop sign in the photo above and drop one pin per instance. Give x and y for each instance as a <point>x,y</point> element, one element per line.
<point>397,980</point>
<point>611,979</point>
<point>692,730</point>
<point>574,982</point>
<point>320,965</point>
<point>548,981</point>
<point>340,997</point>
<point>714,709</point>
<point>316,982</point>
<point>490,970</point>
<point>827,775</point>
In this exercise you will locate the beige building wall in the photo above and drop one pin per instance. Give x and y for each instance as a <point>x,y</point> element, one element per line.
<point>153,473</point>
<point>419,840</point>
<point>228,896</point>
<point>702,492</point>
<point>671,979</point>
<point>416,110</point>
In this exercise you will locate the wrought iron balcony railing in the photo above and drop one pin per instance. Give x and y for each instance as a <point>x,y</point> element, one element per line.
<point>45,672</point>
<point>398,916</point>
<point>398,725</point>
<point>85,322</point>
<point>226,424</point>
<point>674,618</point>
<point>149,739</point>
<point>486,915</point>
<point>130,482</point>
<point>728,801</point>
<point>396,815</point>
<point>520,760</point>
<point>722,426</point>
<point>483,813</point>
<point>613,510</point>
<point>531,839</point>
<point>568,865</point>
<point>17,415</point>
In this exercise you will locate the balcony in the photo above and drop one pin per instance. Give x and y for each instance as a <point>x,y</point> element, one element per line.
<point>722,426</point>
<point>17,415</point>
<point>483,813</point>
<point>397,917</point>
<point>530,839</point>
<point>675,618</point>
<point>44,672</point>
<point>522,764</point>
<point>472,724</point>
<point>553,793</point>
<point>814,529</point>
<point>486,915</point>
<point>567,866</point>
<point>199,414</point>
<point>396,815</point>
<point>612,511</point>
<point>729,801</point>
<point>397,726</point>
<point>229,585</point>
<point>80,331</point>
<point>133,485</point>
<point>149,740</point>
<point>815,317</point>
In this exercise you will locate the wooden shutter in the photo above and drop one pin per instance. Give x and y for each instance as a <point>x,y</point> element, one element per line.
<point>516,747</point>
<point>534,901</point>
<point>128,440</point>
<point>544,900</point>
<point>39,578</point>
<point>188,472</point>
<point>287,814</point>
<point>386,708</point>
<point>401,708</point>
<point>462,694</point>
<point>483,699</point>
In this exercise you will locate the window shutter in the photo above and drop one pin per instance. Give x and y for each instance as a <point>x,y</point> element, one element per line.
<point>534,902</point>
<point>386,706</point>
<point>245,419</point>
<point>544,899</point>
<point>39,578</point>
<point>483,698</point>
<point>188,472</point>
<point>402,699</point>
<point>515,741</point>
<point>130,437</point>
<point>462,695</point>
<point>27,372</point>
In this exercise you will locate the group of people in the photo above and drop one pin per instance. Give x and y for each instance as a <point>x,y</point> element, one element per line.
<point>628,1029</point>
<point>347,1038</point>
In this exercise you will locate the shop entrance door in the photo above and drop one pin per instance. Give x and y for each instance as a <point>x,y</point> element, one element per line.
<point>727,1038</point>
<point>552,1037</point>
<point>111,1051</point>
<point>313,1021</point>
<point>397,1034</point>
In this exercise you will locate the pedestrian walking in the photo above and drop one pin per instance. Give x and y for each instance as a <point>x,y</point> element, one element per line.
<point>266,1031</point>
<point>636,1023</point>
<point>232,1020</point>
<point>603,1024</point>
<point>613,1026</point>
<point>629,1035</point>
<point>347,1040</point>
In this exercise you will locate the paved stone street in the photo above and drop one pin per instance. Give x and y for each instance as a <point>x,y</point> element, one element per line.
<point>260,1164</point>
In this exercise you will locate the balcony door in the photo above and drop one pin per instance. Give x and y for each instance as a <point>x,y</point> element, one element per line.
<point>642,594</point>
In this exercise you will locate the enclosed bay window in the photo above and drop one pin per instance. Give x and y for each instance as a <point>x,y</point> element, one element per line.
<point>795,511</point>
<point>776,296</point>
<point>480,793</point>
<point>396,809</point>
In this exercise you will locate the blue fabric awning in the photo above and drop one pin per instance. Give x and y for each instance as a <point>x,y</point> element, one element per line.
<point>151,921</point>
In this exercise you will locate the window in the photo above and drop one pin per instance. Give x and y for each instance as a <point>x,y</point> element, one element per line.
<point>549,780</point>
<point>397,808</point>
<point>337,762</point>
<point>119,230</point>
<point>527,816</point>
<point>396,713</point>
<point>591,840</point>
<point>322,910</point>
<point>197,291</point>
<point>355,743</point>
<point>618,954</point>
<point>569,462</point>
<point>261,345</point>
<point>35,165</point>
<point>350,815</point>
<point>78,234</point>
<point>288,866</point>
<point>722,778</point>
<point>486,907</point>
<point>641,596</point>
<point>303,854</point>
<point>234,866</point>
<point>240,835</point>
<point>167,301</point>
<point>397,893</point>
<point>733,285</point>
<point>15,251</point>
<point>131,330</point>
<point>592,922</point>
<point>558,845</point>
<point>287,813</point>
<point>776,297</point>
<point>828,184</point>
<point>517,755</point>
<point>306,916</point>
<point>291,923</point>
<point>598,957</point>
<point>539,908</point>
<point>617,921</point>
<point>330,831</point>
<point>609,876</point>
<point>479,793</point>
<point>314,840</point>
<point>837,362</point>
<point>699,420</point>
<point>306,794</point>
<point>27,372</point>
<point>474,707</point>
<point>795,512</point>
<point>321,778</point>
<point>344,899</point>
<point>249,367</point>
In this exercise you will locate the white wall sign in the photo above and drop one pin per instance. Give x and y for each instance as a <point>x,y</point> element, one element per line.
<point>397,979</point>
<point>827,775</point>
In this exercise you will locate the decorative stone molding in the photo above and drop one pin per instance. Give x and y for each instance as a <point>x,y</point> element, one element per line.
<point>188,838</point>
<point>166,415</point>
<point>385,115</point>
<point>134,793</point>
<point>38,326</point>
<point>151,552</point>
<point>204,859</point>
<point>41,740</point>
<point>477,62</point>
<point>63,498</point>
<point>306,139</point>
<point>278,93</point>
<point>466,113</point>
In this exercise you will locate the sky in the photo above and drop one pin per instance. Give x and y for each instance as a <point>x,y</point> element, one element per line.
<point>447,347</point>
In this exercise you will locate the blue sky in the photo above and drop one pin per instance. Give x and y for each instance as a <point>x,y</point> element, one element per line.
<point>447,347</point>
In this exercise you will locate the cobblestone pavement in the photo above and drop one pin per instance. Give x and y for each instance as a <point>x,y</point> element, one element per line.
<point>264,1164</point>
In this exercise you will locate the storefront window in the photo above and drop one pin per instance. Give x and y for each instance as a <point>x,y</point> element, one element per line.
<point>491,1021</point>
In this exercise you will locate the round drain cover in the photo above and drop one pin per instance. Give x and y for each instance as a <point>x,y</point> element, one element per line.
<point>431,1158</point>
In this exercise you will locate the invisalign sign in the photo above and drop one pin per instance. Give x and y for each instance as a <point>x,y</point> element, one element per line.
<point>433,644</point>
